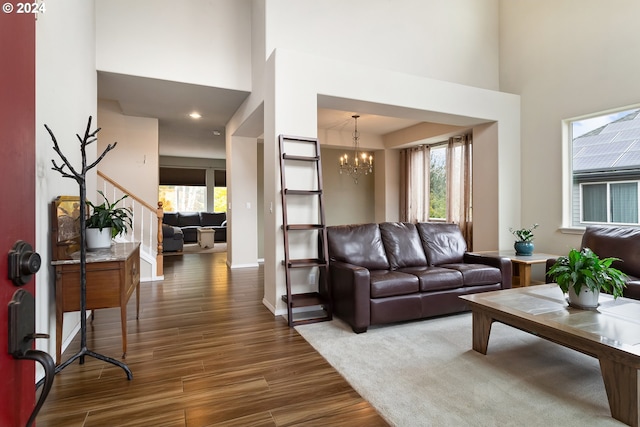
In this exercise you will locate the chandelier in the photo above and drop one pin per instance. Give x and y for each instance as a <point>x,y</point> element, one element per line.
<point>360,163</point>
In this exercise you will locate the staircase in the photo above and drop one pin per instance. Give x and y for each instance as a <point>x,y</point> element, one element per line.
<point>146,228</point>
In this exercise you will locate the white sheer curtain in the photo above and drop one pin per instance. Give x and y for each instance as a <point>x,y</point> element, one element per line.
<point>459,185</point>
<point>414,182</point>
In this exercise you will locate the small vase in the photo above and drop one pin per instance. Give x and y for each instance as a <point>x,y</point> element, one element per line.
<point>585,299</point>
<point>98,239</point>
<point>523,248</point>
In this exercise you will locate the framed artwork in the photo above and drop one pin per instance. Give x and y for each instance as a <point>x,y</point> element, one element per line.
<point>65,226</point>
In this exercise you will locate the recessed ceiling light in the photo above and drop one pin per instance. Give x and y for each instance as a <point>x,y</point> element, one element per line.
<point>217,133</point>
<point>195,115</point>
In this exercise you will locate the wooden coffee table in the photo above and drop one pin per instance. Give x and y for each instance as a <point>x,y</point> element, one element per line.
<point>611,334</point>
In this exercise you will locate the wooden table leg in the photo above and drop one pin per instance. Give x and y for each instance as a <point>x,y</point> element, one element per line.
<point>59,320</point>
<point>525,275</point>
<point>481,330</point>
<point>123,322</point>
<point>138,300</point>
<point>621,383</point>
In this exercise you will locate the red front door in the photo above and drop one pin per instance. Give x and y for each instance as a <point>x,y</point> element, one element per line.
<point>17,196</point>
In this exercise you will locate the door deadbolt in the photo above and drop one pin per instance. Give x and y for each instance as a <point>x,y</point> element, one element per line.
<point>23,263</point>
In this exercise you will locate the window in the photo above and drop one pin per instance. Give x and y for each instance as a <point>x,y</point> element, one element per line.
<point>220,199</point>
<point>182,198</point>
<point>438,183</point>
<point>605,168</point>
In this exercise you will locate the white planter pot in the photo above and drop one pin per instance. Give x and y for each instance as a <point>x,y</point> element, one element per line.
<point>98,239</point>
<point>585,299</point>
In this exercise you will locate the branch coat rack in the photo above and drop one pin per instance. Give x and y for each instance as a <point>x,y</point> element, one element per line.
<point>80,178</point>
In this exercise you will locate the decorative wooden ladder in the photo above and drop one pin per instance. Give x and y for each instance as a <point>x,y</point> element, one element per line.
<point>303,220</point>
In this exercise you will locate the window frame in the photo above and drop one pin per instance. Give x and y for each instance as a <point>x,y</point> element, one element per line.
<point>569,186</point>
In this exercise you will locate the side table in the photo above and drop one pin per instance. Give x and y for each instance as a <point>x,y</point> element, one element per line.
<point>521,264</point>
<point>206,237</point>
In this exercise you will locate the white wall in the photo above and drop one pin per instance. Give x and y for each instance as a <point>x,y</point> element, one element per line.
<point>345,201</point>
<point>206,42</point>
<point>66,90</point>
<point>565,58</point>
<point>453,40</point>
<point>134,160</point>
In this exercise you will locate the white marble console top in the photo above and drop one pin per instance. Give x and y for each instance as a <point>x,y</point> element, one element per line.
<point>117,252</point>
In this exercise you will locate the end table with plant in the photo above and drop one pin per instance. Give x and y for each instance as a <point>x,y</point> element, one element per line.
<point>582,275</point>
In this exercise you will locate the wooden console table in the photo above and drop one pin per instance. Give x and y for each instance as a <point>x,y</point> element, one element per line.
<point>112,275</point>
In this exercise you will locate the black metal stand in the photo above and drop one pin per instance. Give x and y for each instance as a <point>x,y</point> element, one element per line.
<point>79,177</point>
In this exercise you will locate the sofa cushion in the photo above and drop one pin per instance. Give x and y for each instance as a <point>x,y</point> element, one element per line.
<point>188,218</point>
<point>618,242</point>
<point>170,218</point>
<point>402,245</point>
<point>442,243</point>
<point>358,244</point>
<point>476,274</point>
<point>208,219</point>
<point>435,278</point>
<point>389,283</point>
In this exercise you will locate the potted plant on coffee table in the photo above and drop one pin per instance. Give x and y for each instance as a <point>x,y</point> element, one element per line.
<point>107,221</point>
<point>524,240</point>
<point>582,275</point>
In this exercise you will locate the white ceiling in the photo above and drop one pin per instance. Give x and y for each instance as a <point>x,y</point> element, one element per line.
<point>180,135</point>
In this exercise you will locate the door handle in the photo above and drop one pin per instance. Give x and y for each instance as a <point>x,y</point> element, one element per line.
<point>22,319</point>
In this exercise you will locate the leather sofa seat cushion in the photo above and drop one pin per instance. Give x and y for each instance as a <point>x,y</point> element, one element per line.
<point>402,244</point>
<point>388,283</point>
<point>186,219</point>
<point>358,244</point>
<point>618,242</point>
<point>477,274</point>
<point>442,243</point>
<point>435,278</point>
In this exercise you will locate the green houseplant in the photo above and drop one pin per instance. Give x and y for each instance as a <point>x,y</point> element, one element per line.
<point>524,240</point>
<point>582,274</point>
<point>107,220</point>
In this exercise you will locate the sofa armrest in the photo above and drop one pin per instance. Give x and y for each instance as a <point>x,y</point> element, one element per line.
<point>351,294</point>
<point>503,264</point>
<point>167,231</point>
<point>548,265</point>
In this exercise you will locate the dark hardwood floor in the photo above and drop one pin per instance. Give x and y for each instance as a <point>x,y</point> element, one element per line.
<point>204,352</point>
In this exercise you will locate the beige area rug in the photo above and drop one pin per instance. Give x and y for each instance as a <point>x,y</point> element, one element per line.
<point>194,248</point>
<point>425,373</point>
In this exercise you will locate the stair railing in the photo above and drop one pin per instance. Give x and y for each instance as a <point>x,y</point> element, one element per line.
<point>146,220</point>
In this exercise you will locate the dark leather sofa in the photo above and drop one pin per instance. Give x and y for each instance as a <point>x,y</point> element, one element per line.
<point>618,242</point>
<point>189,222</point>
<point>393,271</point>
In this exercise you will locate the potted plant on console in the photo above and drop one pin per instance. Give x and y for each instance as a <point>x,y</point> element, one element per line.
<point>582,275</point>
<point>524,242</point>
<point>107,221</point>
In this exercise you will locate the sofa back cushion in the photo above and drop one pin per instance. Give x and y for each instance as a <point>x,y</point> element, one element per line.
<point>402,245</point>
<point>442,243</point>
<point>170,218</point>
<point>358,244</point>
<point>186,219</point>
<point>618,242</point>
<point>208,219</point>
